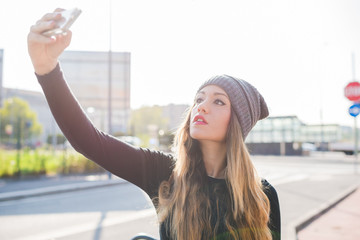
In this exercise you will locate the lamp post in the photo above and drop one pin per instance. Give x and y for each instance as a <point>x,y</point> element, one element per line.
<point>18,145</point>
<point>109,79</point>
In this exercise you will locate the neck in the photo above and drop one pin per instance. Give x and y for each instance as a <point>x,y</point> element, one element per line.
<point>214,157</point>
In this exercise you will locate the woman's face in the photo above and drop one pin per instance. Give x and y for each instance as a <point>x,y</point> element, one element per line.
<point>210,115</point>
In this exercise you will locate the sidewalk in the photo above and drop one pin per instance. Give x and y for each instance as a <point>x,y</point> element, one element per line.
<point>341,222</point>
<point>12,189</point>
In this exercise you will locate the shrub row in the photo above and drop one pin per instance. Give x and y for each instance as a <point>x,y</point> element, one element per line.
<point>40,162</point>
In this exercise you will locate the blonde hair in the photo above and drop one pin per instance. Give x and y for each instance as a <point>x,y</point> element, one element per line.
<point>184,205</point>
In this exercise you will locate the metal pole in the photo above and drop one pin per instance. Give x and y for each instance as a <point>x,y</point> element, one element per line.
<point>109,74</point>
<point>110,79</point>
<point>18,145</point>
<point>353,65</point>
<point>53,137</point>
<point>355,121</point>
<point>356,146</point>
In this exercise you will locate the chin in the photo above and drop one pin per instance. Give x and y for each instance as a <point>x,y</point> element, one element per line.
<point>204,138</point>
<point>198,135</point>
<point>201,135</point>
<point>194,136</point>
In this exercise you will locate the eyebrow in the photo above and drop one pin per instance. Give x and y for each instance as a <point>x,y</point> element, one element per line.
<point>215,94</point>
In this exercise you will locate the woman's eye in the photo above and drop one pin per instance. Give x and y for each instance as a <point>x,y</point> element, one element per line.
<point>219,102</point>
<point>198,100</point>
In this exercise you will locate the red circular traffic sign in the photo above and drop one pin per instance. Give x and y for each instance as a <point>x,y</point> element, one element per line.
<point>352,91</point>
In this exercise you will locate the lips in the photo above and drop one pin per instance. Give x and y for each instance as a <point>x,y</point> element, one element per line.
<point>199,120</point>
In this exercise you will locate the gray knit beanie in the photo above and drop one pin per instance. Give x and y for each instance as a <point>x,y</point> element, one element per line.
<point>246,101</point>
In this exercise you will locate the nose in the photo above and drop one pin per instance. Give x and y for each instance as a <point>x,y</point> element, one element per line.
<point>203,107</point>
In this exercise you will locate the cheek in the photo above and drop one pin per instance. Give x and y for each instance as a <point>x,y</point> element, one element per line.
<point>226,118</point>
<point>225,121</point>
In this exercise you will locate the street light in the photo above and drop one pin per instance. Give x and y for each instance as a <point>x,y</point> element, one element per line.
<point>110,78</point>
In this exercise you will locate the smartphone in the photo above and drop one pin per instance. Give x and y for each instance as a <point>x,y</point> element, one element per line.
<point>68,18</point>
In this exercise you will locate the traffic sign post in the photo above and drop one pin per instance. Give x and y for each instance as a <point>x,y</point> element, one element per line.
<point>356,145</point>
<point>352,92</point>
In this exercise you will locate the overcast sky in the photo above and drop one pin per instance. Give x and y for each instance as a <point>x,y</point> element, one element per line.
<point>297,53</point>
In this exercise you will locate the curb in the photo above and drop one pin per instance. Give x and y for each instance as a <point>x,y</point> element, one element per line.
<point>57,189</point>
<point>297,225</point>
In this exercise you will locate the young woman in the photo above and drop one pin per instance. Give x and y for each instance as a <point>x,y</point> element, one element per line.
<point>209,188</point>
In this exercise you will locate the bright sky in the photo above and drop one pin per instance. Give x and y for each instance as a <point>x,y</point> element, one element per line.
<point>297,53</point>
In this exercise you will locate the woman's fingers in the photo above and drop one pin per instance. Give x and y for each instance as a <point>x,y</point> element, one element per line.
<point>59,10</point>
<point>39,38</point>
<point>48,21</point>
<point>50,16</point>
<point>42,26</point>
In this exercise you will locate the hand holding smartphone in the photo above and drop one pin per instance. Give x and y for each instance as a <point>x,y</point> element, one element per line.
<point>68,18</point>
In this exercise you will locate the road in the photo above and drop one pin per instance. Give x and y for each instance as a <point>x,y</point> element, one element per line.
<point>320,166</point>
<point>121,211</point>
<point>87,214</point>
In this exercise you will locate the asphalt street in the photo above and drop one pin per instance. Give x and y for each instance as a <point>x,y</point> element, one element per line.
<point>120,210</point>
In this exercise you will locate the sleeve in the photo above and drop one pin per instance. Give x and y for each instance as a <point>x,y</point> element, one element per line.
<point>142,167</point>
<point>275,218</point>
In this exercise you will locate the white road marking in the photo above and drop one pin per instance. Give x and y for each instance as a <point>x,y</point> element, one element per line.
<point>79,228</point>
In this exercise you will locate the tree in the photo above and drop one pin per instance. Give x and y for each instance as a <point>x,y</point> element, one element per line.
<point>18,122</point>
<point>147,118</point>
<point>146,122</point>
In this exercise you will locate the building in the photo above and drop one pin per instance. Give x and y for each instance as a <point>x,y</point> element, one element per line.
<point>291,129</point>
<point>281,134</point>
<point>87,73</point>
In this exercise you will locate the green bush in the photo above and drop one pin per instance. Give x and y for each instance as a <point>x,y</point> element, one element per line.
<point>41,161</point>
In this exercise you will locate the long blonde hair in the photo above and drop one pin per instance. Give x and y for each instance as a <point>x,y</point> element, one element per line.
<point>184,205</point>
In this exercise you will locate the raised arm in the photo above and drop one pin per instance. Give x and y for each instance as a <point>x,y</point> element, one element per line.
<point>142,167</point>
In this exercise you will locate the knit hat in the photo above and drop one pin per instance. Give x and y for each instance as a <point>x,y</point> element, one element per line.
<point>247,103</point>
